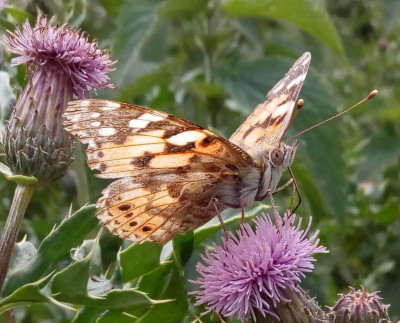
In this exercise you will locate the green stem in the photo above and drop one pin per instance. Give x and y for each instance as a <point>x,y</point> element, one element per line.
<point>22,196</point>
<point>82,184</point>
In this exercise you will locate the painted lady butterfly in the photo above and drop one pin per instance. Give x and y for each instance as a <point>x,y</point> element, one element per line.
<point>173,175</point>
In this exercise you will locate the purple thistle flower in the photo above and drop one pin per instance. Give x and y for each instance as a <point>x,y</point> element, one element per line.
<point>251,272</point>
<point>62,65</point>
<point>63,49</point>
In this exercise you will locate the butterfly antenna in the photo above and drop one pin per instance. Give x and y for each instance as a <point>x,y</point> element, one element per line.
<point>370,96</point>
<point>296,188</point>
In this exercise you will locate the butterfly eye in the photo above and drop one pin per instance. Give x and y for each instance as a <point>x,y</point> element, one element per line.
<point>276,157</point>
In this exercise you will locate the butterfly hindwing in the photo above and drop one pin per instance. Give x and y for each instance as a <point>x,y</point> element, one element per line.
<point>158,207</point>
<point>270,120</point>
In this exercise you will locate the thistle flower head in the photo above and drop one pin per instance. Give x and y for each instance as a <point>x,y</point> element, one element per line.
<point>61,48</point>
<point>359,306</point>
<point>252,271</point>
<point>63,64</point>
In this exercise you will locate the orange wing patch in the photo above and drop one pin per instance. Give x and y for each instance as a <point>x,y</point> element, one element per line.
<point>268,123</point>
<point>126,139</point>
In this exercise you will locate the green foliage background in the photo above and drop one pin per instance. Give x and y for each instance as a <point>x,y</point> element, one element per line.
<point>212,62</point>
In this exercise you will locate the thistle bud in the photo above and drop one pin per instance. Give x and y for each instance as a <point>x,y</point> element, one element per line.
<point>62,65</point>
<point>359,306</point>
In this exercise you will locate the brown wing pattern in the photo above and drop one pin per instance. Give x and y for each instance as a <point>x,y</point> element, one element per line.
<point>123,140</point>
<point>168,168</point>
<point>270,120</point>
<point>159,207</point>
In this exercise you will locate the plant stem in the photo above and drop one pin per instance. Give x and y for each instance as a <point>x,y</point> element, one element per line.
<point>82,184</point>
<point>22,197</point>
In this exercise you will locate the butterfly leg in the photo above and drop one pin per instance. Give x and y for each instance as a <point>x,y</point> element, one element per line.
<point>280,188</point>
<point>273,205</point>
<point>242,215</point>
<point>278,219</point>
<point>221,220</point>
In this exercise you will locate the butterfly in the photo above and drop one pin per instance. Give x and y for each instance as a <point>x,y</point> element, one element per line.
<point>173,175</point>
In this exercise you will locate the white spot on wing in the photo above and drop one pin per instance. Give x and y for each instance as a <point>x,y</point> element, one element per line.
<point>281,109</point>
<point>85,103</point>
<point>110,105</point>
<point>95,123</point>
<point>185,137</point>
<point>95,115</point>
<point>150,117</point>
<point>74,118</point>
<point>107,131</point>
<point>278,87</point>
<point>296,81</point>
<point>136,123</point>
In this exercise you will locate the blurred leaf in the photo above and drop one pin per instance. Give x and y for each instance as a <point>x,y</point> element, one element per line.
<point>207,231</point>
<point>306,14</point>
<point>112,7</point>
<point>19,14</point>
<point>22,252</point>
<point>377,272</point>
<point>140,259</point>
<point>389,212</point>
<point>308,188</point>
<point>138,22</point>
<point>383,151</point>
<point>180,9</point>
<point>5,170</point>
<point>6,93</point>
<point>160,76</point>
<point>54,247</point>
<point>6,24</point>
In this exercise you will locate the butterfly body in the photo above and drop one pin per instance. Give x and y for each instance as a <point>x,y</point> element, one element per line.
<point>256,181</point>
<point>173,175</point>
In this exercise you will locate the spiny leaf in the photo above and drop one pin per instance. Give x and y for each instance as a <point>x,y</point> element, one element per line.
<point>77,293</point>
<point>139,259</point>
<point>54,247</point>
<point>25,295</point>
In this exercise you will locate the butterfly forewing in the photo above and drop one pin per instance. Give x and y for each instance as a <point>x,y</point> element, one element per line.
<point>130,140</point>
<point>270,120</point>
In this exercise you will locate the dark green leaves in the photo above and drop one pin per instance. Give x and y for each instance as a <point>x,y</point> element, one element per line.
<point>53,248</point>
<point>309,15</point>
<point>139,259</point>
